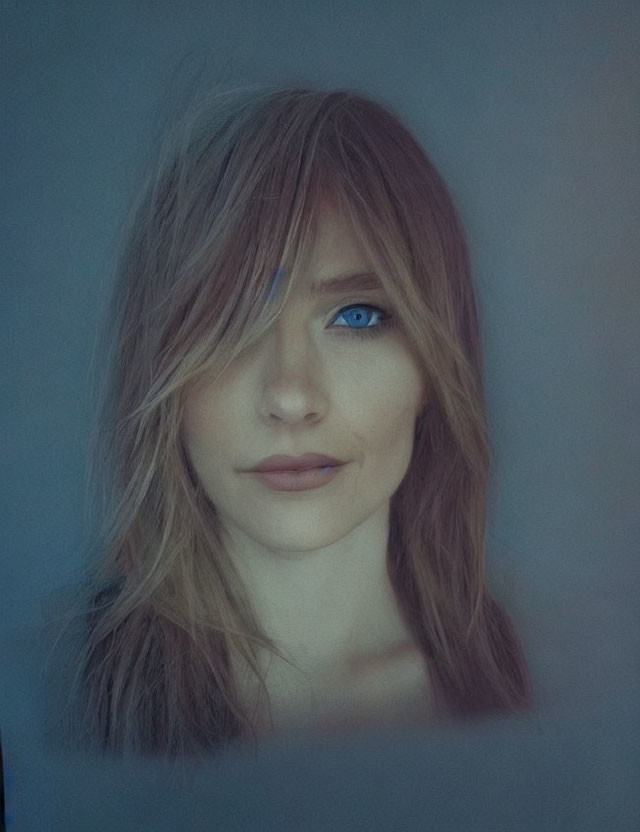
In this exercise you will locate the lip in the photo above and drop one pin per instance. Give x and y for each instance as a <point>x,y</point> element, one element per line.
<point>298,480</point>
<point>282,462</point>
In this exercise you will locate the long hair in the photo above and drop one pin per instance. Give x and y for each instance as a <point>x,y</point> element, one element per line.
<point>231,196</point>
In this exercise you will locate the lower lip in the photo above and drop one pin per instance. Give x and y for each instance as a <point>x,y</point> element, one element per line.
<point>297,480</point>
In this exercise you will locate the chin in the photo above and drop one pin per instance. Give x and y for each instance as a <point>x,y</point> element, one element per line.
<point>300,541</point>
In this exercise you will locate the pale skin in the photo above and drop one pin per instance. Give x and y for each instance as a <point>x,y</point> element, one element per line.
<point>314,561</point>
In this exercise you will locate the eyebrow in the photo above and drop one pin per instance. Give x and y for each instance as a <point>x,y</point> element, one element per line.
<point>349,282</point>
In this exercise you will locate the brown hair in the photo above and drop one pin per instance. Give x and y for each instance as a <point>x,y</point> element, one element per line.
<point>231,196</point>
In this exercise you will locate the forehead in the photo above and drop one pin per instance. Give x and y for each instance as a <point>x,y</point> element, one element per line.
<point>334,235</point>
<point>336,262</point>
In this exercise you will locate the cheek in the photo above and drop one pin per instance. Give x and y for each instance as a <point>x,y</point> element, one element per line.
<point>208,412</point>
<point>205,430</point>
<point>383,407</point>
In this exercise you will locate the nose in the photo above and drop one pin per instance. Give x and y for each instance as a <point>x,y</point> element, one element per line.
<point>292,376</point>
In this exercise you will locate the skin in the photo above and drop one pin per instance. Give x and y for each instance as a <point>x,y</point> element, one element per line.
<point>315,561</point>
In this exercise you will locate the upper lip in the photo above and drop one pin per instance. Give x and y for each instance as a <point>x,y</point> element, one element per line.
<point>295,463</point>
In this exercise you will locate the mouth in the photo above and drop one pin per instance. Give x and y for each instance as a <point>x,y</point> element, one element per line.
<point>283,462</point>
<point>301,480</point>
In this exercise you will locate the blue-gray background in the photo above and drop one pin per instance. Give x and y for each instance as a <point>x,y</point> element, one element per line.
<point>531,112</point>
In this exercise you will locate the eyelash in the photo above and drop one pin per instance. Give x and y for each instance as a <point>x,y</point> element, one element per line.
<point>366,331</point>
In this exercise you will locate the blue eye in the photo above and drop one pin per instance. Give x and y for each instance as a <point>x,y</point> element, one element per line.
<point>357,320</point>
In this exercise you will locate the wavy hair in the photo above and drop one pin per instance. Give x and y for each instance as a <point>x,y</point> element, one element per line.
<point>231,196</point>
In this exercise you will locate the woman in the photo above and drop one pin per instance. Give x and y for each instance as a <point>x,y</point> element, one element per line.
<point>294,282</point>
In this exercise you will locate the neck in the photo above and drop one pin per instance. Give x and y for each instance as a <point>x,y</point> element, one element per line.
<point>328,608</point>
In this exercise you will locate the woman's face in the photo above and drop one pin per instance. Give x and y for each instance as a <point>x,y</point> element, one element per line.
<point>315,383</point>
